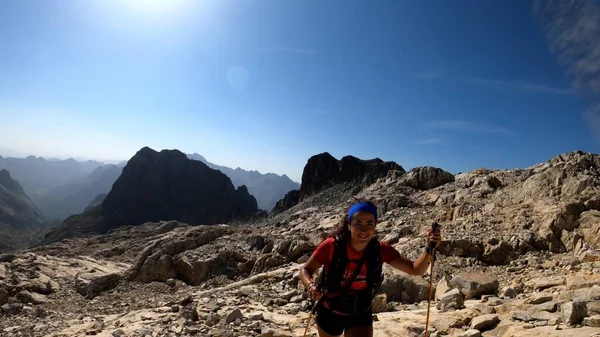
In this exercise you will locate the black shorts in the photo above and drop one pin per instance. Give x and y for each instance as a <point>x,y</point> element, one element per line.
<point>335,324</point>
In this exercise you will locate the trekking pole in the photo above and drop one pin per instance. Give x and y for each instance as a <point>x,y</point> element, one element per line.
<point>310,315</point>
<point>434,228</point>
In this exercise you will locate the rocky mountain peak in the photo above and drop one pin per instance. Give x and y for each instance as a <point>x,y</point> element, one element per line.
<point>323,170</point>
<point>164,185</point>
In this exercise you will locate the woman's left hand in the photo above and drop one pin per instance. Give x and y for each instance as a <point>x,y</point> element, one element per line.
<point>434,237</point>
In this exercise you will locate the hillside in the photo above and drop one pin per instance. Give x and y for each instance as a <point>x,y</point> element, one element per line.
<point>163,185</point>
<point>19,218</point>
<point>520,258</point>
<point>63,201</point>
<point>267,188</point>
<point>38,175</point>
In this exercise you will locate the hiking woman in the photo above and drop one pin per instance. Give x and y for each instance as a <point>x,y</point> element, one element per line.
<point>348,310</point>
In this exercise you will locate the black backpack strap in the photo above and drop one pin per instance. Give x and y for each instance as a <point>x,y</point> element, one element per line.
<point>331,280</point>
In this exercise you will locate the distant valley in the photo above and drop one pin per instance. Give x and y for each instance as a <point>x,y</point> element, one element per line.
<point>61,188</point>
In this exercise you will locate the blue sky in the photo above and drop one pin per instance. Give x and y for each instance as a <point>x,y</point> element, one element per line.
<point>266,84</point>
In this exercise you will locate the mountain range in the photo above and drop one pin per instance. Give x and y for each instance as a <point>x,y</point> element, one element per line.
<point>61,188</point>
<point>267,188</point>
<point>157,186</point>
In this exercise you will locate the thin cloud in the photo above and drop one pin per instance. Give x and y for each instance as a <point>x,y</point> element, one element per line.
<point>572,29</point>
<point>292,50</point>
<point>426,141</point>
<point>430,74</point>
<point>464,126</point>
<point>519,86</point>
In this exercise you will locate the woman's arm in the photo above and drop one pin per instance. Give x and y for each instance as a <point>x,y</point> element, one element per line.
<point>306,277</point>
<point>419,266</point>
<point>308,270</point>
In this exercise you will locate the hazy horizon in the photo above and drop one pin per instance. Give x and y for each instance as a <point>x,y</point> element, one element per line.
<point>264,85</point>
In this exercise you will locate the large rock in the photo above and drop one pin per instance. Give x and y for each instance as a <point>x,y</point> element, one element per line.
<point>485,322</point>
<point>266,262</point>
<point>91,285</point>
<point>166,185</point>
<point>497,252</point>
<point>451,300</point>
<point>573,312</point>
<point>323,171</point>
<point>193,270</point>
<point>589,225</point>
<point>26,297</point>
<point>160,260</point>
<point>473,285</point>
<point>401,287</point>
<point>427,177</point>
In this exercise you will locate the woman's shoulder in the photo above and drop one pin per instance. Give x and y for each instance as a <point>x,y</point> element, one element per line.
<point>328,241</point>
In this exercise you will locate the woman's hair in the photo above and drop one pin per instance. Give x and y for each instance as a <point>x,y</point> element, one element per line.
<point>343,228</point>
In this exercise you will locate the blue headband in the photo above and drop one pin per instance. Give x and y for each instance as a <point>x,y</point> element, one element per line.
<point>362,207</point>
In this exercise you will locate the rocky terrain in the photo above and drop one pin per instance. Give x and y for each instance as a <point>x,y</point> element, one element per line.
<point>520,257</point>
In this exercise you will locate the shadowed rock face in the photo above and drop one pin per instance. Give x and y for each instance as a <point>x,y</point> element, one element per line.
<point>289,201</point>
<point>323,171</point>
<point>164,185</point>
<point>19,218</point>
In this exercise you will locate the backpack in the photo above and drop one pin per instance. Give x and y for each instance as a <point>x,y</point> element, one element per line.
<point>330,281</point>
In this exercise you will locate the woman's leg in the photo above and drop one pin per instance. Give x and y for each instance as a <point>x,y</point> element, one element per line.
<point>363,331</point>
<point>328,323</point>
<point>324,334</point>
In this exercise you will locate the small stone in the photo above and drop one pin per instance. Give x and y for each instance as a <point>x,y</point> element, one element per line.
<point>175,308</point>
<point>256,317</point>
<point>233,316</point>
<point>171,282</point>
<point>494,301</point>
<point>303,259</point>
<point>539,298</point>
<point>379,303</point>
<point>246,290</point>
<point>470,333</point>
<point>508,292</point>
<point>442,287</point>
<point>118,333</point>
<point>485,322</point>
<point>592,321</point>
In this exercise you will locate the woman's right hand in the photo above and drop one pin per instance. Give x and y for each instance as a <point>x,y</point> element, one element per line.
<point>314,293</point>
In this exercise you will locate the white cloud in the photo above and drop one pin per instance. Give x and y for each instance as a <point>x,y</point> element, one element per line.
<point>519,86</point>
<point>573,29</point>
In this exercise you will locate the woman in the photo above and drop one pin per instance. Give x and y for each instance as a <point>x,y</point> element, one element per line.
<point>347,309</point>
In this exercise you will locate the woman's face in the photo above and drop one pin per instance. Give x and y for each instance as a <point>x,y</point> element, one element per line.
<point>362,227</point>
